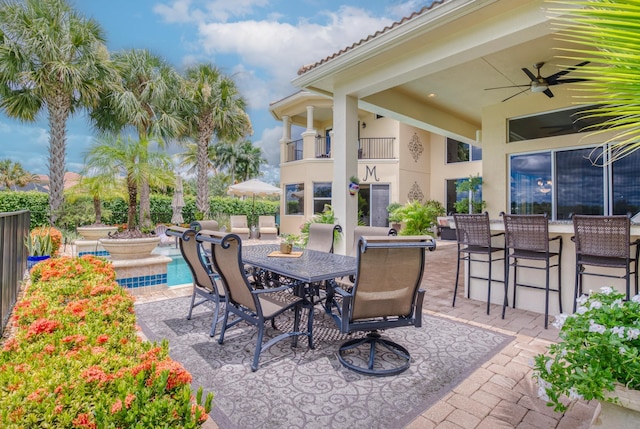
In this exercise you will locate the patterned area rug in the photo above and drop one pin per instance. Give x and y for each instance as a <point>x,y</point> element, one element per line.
<point>303,388</point>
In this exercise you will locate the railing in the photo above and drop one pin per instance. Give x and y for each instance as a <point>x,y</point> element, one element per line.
<point>376,148</point>
<point>323,147</point>
<point>294,151</point>
<point>14,227</point>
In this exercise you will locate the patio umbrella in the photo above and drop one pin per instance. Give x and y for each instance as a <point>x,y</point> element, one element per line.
<point>178,202</point>
<point>253,188</point>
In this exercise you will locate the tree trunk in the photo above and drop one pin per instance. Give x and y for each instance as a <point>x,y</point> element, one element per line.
<point>202,198</point>
<point>59,108</point>
<point>97,207</point>
<point>132,190</point>
<point>145,204</point>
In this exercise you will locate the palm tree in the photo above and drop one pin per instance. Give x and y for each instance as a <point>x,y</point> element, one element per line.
<point>117,157</point>
<point>189,158</point>
<point>147,103</point>
<point>98,187</point>
<point>13,175</point>
<point>241,160</point>
<point>608,36</point>
<point>53,59</point>
<point>216,109</point>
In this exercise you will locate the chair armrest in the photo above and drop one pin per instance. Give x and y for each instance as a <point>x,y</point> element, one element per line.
<point>274,289</point>
<point>419,300</point>
<point>557,237</point>
<point>497,234</point>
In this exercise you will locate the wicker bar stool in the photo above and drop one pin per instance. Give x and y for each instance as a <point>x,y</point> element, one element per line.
<point>474,236</point>
<point>604,241</point>
<point>527,237</point>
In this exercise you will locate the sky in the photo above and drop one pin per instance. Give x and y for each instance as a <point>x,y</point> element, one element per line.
<point>261,43</point>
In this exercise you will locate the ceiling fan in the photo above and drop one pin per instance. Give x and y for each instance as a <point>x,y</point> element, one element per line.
<point>542,84</point>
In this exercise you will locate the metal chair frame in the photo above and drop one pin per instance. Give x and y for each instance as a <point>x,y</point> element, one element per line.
<point>474,237</point>
<point>527,237</point>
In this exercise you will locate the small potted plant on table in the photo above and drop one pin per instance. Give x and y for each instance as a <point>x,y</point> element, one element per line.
<point>288,241</point>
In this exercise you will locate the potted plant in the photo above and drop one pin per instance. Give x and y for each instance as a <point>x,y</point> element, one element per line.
<point>419,218</point>
<point>40,248</point>
<point>288,241</point>
<point>597,357</point>
<point>394,215</point>
<point>354,185</point>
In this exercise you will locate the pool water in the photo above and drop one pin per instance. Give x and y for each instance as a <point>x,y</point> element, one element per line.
<point>178,272</point>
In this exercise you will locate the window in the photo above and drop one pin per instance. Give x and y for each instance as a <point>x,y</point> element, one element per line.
<point>551,124</point>
<point>321,196</point>
<point>565,182</point>
<point>462,152</point>
<point>294,199</point>
<point>453,196</point>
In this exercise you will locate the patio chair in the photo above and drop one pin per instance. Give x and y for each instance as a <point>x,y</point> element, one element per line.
<point>254,306</point>
<point>267,227</point>
<point>385,295</point>
<point>210,225</point>
<point>239,226</point>
<point>474,237</point>
<point>604,242</point>
<point>165,240</point>
<point>321,236</point>
<point>204,279</point>
<point>527,240</point>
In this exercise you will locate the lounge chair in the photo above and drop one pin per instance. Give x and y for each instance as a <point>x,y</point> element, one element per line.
<point>254,306</point>
<point>211,225</point>
<point>239,226</point>
<point>385,295</point>
<point>267,227</point>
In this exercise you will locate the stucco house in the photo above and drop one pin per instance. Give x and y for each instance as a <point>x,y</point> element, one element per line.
<point>435,70</point>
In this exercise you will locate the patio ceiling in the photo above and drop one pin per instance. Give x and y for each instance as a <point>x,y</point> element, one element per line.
<point>432,71</point>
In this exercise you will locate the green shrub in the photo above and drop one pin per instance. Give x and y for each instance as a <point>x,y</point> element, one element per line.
<point>419,218</point>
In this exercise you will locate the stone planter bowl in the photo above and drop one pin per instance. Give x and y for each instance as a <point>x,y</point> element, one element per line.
<point>129,248</point>
<point>95,232</point>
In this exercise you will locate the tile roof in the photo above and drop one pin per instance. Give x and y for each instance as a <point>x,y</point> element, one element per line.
<point>386,29</point>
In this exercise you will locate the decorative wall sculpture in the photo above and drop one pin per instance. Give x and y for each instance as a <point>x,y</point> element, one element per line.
<point>415,147</point>
<point>415,193</point>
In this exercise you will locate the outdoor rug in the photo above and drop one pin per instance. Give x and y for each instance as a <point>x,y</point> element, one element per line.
<point>303,388</point>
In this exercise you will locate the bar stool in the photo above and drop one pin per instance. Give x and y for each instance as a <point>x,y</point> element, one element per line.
<point>527,237</point>
<point>474,238</point>
<point>604,241</point>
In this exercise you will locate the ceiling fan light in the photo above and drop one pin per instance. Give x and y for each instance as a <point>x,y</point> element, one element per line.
<point>539,87</point>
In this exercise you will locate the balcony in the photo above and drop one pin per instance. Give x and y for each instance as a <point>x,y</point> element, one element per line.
<point>368,148</point>
<point>294,151</point>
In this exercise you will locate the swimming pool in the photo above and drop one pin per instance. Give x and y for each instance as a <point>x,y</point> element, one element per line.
<point>178,272</point>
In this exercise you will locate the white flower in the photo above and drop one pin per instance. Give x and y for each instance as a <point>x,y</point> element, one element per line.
<point>548,364</point>
<point>618,330</point>
<point>542,388</point>
<point>617,303</point>
<point>558,322</point>
<point>581,310</point>
<point>606,290</point>
<point>573,394</point>
<point>622,350</point>
<point>633,333</point>
<point>595,327</point>
<point>582,299</point>
<point>595,305</point>
<point>635,298</point>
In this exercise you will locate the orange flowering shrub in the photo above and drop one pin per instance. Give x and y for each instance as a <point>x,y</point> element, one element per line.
<point>54,233</point>
<point>76,361</point>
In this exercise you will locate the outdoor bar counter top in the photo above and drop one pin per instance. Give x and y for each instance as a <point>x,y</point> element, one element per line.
<point>532,299</point>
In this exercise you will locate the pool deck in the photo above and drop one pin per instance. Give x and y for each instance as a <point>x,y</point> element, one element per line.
<point>501,393</point>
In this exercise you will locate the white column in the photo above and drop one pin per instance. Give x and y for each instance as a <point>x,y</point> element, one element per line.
<point>344,147</point>
<point>309,137</point>
<point>286,138</point>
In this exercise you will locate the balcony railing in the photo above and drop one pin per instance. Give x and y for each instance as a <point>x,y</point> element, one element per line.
<point>376,148</point>
<point>294,151</point>
<point>368,148</point>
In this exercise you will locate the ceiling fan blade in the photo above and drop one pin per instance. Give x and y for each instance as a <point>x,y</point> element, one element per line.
<point>510,86</point>
<point>555,76</point>
<point>529,74</point>
<point>548,93</point>
<point>559,81</point>
<point>517,93</point>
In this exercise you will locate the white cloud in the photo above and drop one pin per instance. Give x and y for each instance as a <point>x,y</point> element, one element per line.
<point>180,11</point>
<point>269,142</point>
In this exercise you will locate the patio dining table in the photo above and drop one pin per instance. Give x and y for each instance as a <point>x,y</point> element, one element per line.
<point>311,267</point>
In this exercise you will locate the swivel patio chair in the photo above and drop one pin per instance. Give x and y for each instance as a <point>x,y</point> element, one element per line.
<point>322,236</point>
<point>204,279</point>
<point>474,237</point>
<point>527,237</point>
<point>604,242</point>
<point>254,306</point>
<point>386,294</point>
<point>239,226</point>
<point>267,227</point>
